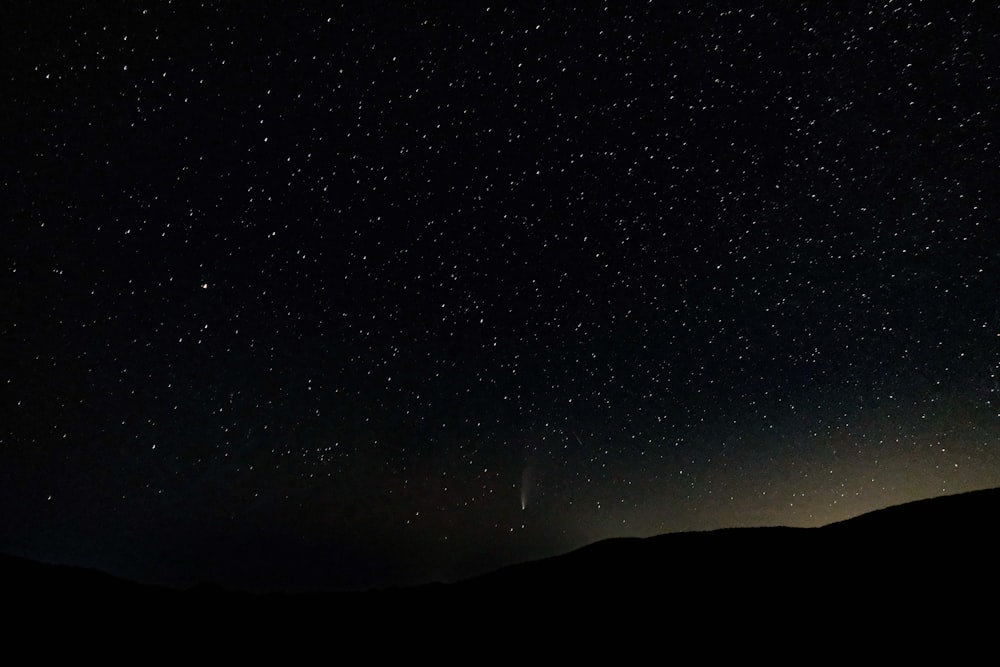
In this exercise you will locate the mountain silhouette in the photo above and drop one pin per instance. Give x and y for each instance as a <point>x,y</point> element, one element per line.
<point>930,562</point>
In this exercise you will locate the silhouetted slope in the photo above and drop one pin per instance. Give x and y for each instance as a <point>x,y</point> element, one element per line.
<point>968,514</point>
<point>909,561</point>
<point>23,579</point>
<point>924,561</point>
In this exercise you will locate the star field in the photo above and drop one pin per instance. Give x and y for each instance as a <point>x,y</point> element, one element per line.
<point>344,297</point>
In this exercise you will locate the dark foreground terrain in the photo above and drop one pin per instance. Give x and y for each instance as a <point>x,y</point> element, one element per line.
<point>905,575</point>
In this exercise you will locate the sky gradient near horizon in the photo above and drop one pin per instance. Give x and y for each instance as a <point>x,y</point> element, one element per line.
<point>340,297</point>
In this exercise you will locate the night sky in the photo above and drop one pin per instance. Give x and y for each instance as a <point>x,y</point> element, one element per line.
<point>394,292</point>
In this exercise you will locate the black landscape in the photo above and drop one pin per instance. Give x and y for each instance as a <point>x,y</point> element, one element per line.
<point>927,560</point>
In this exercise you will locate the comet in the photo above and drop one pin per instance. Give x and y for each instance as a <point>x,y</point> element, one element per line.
<point>526,479</point>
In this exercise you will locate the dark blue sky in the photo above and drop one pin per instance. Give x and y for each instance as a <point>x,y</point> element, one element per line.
<point>323,298</point>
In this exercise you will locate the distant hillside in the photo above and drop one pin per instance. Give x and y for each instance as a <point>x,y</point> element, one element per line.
<point>961,514</point>
<point>878,550</point>
<point>907,561</point>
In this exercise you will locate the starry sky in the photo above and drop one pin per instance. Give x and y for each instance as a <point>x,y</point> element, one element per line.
<point>381,293</point>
